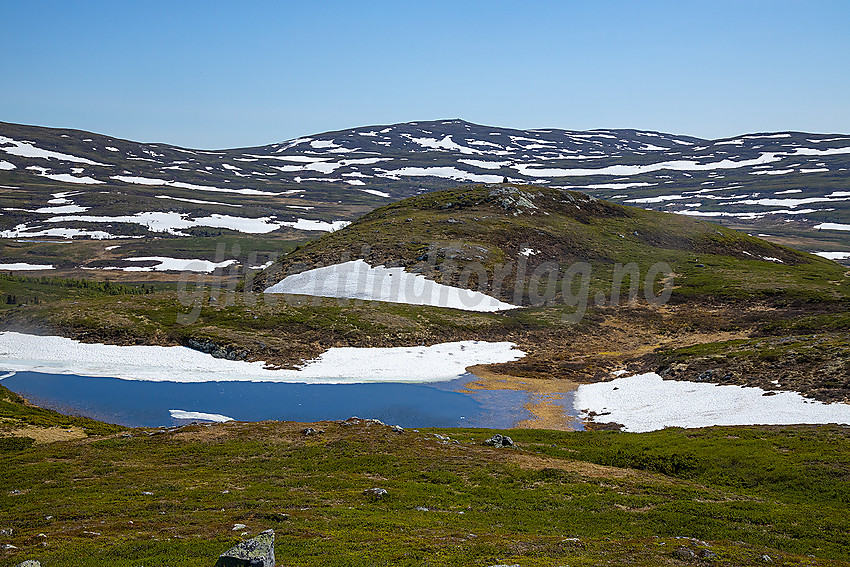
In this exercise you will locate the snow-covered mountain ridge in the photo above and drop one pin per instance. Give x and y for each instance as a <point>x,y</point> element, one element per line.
<point>65,183</point>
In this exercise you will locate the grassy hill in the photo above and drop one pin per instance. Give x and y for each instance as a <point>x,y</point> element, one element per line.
<point>509,232</point>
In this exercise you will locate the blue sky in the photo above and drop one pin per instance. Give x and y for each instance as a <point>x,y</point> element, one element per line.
<point>212,74</point>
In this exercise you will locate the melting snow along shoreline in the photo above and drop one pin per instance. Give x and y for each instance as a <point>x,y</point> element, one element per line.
<point>338,365</point>
<point>646,402</point>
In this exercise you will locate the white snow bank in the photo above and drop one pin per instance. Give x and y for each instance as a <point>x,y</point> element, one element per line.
<point>136,180</point>
<point>23,231</point>
<point>172,264</point>
<point>26,149</point>
<point>832,226</point>
<point>358,280</point>
<point>834,255</point>
<point>172,222</point>
<point>6,165</point>
<point>445,144</point>
<point>678,165</point>
<point>201,416</point>
<point>25,266</point>
<point>307,224</point>
<point>68,178</point>
<point>338,365</point>
<point>646,402</point>
<point>446,172</point>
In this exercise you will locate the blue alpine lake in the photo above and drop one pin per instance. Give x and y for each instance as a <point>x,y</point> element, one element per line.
<point>147,404</point>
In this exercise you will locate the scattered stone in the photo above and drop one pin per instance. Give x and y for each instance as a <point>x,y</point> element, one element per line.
<point>237,527</point>
<point>766,558</point>
<point>29,563</point>
<point>92,533</point>
<point>376,492</point>
<point>255,552</point>
<point>498,440</point>
<point>9,546</point>
<point>147,493</point>
<point>441,437</point>
<point>126,435</point>
<point>706,554</point>
<point>684,553</point>
<point>398,429</point>
<point>422,509</point>
<point>310,431</point>
<point>6,531</point>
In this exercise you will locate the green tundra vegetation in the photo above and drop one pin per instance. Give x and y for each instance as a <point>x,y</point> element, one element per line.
<point>716,496</point>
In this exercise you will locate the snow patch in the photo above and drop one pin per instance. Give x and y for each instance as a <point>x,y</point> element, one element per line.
<point>375,192</point>
<point>834,255</point>
<point>832,226</point>
<point>17,266</point>
<point>446,172</point>
<point>358,280</point>
<point>646,402</point>
<point>324,226</point>
<point>197,415</point>
<point>27,149</point>
<point>172,264</point>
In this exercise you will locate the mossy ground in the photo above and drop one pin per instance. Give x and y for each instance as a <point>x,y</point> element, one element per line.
<point>586,498</point>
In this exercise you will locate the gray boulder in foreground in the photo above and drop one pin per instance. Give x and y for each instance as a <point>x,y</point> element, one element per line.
<point>255,552</point>
<point>499,440</point>
<point>29,563</point>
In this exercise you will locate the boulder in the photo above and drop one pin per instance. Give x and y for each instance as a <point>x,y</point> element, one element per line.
<point>29,563</point>
<point>376,492</point>
<point>255,552</point>
<point>499,440</point>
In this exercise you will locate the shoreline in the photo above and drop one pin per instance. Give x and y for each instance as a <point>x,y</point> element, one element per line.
<point>548,414</point>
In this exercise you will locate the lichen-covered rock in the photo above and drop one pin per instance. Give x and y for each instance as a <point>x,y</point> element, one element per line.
<point>499,440</point>
<point>255,552</point>
<point>29,563</point>
<point>376,492</point>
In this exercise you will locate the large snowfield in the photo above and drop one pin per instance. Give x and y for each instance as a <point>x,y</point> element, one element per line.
<point>339,365</point>
<point>646,402</point>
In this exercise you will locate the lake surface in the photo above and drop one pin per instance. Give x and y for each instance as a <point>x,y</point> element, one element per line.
<point>147,404</point>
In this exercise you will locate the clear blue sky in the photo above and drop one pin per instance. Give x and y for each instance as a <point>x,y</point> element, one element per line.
<point>213,74</point>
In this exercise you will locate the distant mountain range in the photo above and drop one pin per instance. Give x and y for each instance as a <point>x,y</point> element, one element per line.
<point>63,183</point>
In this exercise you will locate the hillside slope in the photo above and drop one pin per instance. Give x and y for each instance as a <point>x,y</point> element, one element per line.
<point>487,237</point>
